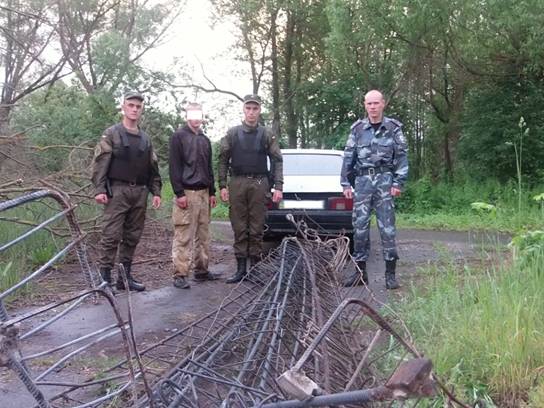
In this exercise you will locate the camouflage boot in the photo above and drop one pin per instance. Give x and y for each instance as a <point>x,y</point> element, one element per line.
<point>390,281</point>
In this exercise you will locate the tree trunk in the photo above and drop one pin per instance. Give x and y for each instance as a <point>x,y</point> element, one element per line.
<point>290,116</point>
<point>275,77</point>
<point>5,110</point>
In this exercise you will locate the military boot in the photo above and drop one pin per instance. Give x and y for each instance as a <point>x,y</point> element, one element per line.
<point>390,281</point>
<point>133,284</point>
<point>240,271</point>
<point>105,274</point>
<point>253,260</point>
<point>355,278</point>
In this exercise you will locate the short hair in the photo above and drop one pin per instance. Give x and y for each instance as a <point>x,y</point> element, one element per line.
<point>193,106</point>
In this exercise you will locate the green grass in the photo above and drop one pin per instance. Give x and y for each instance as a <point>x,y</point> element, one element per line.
<point>28,255</point>
<point>483,329</point>
<point>506,220</point>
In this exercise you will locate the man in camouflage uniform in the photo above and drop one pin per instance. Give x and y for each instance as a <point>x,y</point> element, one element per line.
<point>244,151</point>
<point>125,170</point>
<point>376,161</point>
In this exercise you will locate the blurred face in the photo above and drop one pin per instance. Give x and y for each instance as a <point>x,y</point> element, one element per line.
<point>252,112</point>
<point>374,106</point>
<point>132,109</point>
<point>194,119</point>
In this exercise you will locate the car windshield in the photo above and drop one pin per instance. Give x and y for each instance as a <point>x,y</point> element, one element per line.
<point>311,164</point>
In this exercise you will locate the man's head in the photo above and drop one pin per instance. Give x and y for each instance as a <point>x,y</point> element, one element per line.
<point>252,109</point>
<point>133,105</point>
<point>194,116</point>
<point>374,106</point>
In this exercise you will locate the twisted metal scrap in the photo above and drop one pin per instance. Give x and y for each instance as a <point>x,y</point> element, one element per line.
<point>41,367</point>
<point>289,315</point>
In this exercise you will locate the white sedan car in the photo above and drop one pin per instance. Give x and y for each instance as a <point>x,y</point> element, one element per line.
<point>311,192</point>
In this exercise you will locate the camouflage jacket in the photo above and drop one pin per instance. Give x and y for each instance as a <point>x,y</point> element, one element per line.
<point>272,149</point>
<point>385,148</point>
<point>110,140</point>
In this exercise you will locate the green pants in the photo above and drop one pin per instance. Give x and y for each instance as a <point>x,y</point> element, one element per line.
<point>122,223</point>
<point>247,197</point>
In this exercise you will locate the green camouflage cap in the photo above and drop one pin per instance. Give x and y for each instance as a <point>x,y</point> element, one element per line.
<point>134,95</point>
<point>252,98</point>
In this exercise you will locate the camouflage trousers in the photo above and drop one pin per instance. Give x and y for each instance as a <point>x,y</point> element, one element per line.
<point>122,223</point>
<point>191,243</point>
<point>247,212</point>
<point>374,192</point>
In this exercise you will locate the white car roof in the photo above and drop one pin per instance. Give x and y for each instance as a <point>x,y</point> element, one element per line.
<point>312,151</point>
<point>304,180</point>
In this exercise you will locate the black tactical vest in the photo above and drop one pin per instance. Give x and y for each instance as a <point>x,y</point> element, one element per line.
<point>130,160</point>
<point>248,152</point>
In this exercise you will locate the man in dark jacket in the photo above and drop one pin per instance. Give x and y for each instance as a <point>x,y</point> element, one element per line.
<point>193,184</point>
<point>244,150</point>
<point>125,171</point>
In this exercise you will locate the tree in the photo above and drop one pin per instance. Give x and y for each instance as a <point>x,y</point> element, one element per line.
<point>104,40</point>
<point>26,36</point>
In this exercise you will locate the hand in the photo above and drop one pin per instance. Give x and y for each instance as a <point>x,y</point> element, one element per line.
<point>213,201</point>
<point>156,202</point>
<point>277,196</point>
<point>395,192</point>
<point>101,198</point>
<point>181,202</point>
<point>348,193</point>
<point>224,193</point>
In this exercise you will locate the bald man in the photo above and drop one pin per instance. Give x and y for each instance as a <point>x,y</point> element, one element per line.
<point>376,166</point>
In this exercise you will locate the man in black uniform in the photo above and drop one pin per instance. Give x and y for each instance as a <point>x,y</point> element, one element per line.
<point>125,170</point>
<point>244,151</point>
<point>193,184</point>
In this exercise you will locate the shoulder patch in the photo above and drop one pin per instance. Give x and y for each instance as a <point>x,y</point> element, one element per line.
<point>400,137</point>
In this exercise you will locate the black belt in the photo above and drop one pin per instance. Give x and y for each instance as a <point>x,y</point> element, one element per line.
<point>195,188</point>
<point>371,171</point>
<point>252,175</point>
<point>126,183</point>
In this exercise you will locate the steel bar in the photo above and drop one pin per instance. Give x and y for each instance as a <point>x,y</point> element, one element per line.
<point>33,230</point>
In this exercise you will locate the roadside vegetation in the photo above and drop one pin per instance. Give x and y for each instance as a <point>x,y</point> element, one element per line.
<point>483,327</point>
<point>470,205</point>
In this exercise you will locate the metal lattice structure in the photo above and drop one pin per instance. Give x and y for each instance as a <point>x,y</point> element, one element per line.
<point>289,335</point>
<point>289,326</point>
<point>44,369</point>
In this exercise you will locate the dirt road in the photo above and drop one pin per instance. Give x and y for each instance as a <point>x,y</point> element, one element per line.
<point>163,309</point>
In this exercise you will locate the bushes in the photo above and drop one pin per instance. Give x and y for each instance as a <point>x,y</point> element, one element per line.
<point>450,205</point>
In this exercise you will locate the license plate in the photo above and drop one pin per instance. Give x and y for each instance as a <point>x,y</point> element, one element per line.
<point>300,204</point>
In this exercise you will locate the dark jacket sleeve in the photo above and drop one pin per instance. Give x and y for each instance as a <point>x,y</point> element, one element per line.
<point>175,165</point>
<point>224,159</point>
<point>274,153</point>
<point>101,163</point>
<point>210,167</point>
<point>155,181</point>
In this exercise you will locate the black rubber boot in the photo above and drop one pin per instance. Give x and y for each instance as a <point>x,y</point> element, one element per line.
<point>105,274</point>
<point>240,271</point>
<point>355,278</point>
<point>390,281</point>
<point>253,260</point>
<point>133,284</point>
